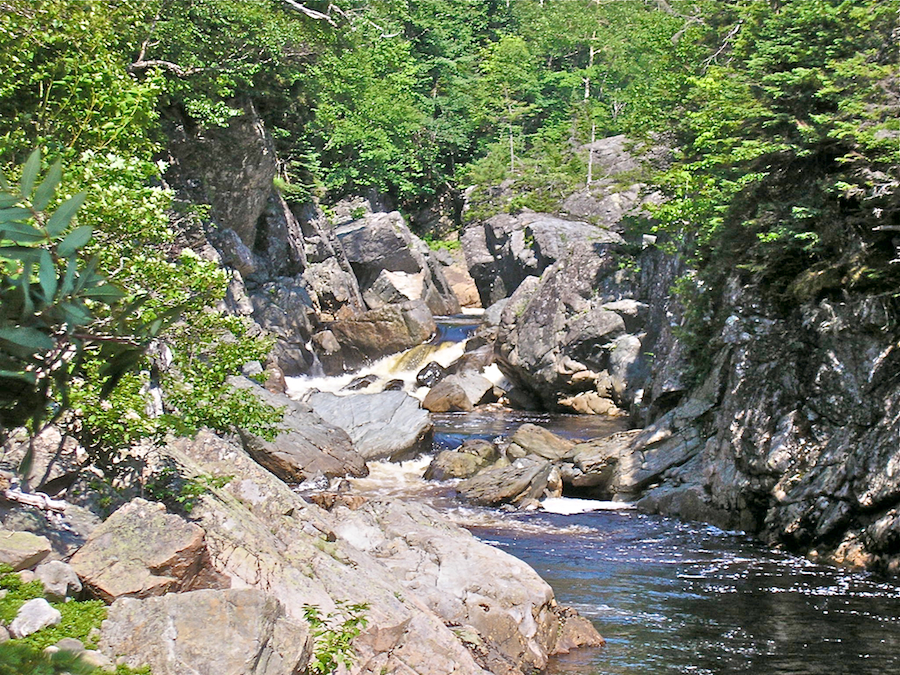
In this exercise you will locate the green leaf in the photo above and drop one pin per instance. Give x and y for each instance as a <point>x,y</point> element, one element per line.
<point>27,303</point>
<point>47,276</point>
<point>30,173</point>
<point>75,240</point>
<point>8,200</point>
<point>29,339</point>
<point>23,253</point>
<point>16,214</point>
<point>68,284</point>
<point>106,292</point>
<point>61,218</point>
<point>4,184</point>
<point>76,314</point>
<point>21,233</point>
<point>47,188</point>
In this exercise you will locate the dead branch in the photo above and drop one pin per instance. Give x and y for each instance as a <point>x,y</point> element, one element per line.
<point>311,13</point>
<point>36,499</point>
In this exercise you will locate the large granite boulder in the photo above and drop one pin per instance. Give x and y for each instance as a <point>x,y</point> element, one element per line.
<point>305,446</point>
<point>387,425</point>
<point>561,339</point>
<point>464,462</point>
<point>226,632</point>
<point>393,265</point>
<point>142,551</point>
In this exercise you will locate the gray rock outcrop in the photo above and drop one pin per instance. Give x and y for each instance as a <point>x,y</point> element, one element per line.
<point>504,250</point>
<point>393,265</point>
<point>59,579</point>
<point>265,536</point>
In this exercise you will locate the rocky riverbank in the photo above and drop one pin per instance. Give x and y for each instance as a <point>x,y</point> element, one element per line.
<point>223,584</point>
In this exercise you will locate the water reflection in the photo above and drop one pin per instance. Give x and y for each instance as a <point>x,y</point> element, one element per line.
<point>676,598</point>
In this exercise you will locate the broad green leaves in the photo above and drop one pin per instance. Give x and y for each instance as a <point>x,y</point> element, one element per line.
<point>51,301</point>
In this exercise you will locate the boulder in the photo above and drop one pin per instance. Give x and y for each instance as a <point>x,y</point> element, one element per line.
<point>556,340</point>
<point>371,335</point>
<point>226,632</point>
<point>465,461</point>
<point>306,444</point>
<point>22,550</point>
<point>504,250</point>
<point>447,396</point>
<point>530,439</point>
<point>59,579</point>
<point>386,425</point>
<point>522,483</point>
<point>32,617</point>
<point>142,551</point>
<point>431,374</point>
<point>459,393</point>
<point>55,459</point>
<point>66,532</point>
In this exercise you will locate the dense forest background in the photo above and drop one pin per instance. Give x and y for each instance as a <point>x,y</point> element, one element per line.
<point>780,117</point>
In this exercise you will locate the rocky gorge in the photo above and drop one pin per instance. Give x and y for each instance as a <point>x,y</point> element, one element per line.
<point>788,432</point>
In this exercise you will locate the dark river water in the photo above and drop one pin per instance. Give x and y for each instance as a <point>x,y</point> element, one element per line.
<point>673,597</point>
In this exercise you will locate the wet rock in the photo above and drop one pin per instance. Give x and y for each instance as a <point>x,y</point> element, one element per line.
<point>394,385</point>
<point>475,360</point>
<point>362,382</point>
<point>522,483</point>
<point>306,444</point>
<point>575,632</point>
<point>466,461</point>
<point>32,617</point>
<point>530,439</point>
<point>459,393</point>
<point>142,551</point>
<point>386,425</point>
<point>431,374</point>
<point>22,550</point>
<point>376,333</point>
<point>232,632</point>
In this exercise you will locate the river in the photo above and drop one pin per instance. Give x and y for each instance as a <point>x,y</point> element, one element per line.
<point>669,597</point>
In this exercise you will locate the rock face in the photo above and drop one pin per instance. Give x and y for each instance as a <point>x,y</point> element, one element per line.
<point>504,250</point>
<point>388,425</point>
<point>230,632</point>
<point>393,265</point>
<point>793,431</point>
<point>558,335</point>
<point>142,551</point>
<point>306,446</point>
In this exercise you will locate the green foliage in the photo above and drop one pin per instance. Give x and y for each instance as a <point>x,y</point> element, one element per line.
<point>25,656</point>
<point>180,493</point>
<point>333,634</point>
<point>23,659</point>
<point>54,306</point>
<point>442,244</point>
